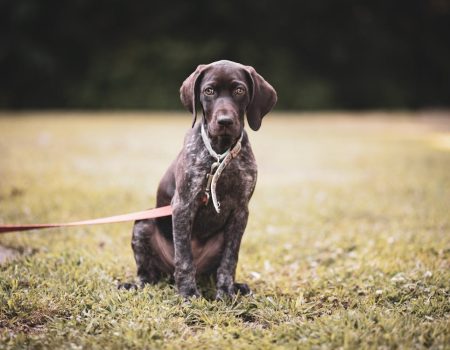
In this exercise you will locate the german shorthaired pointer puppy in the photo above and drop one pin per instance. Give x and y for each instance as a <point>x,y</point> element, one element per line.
<point>208,185</point>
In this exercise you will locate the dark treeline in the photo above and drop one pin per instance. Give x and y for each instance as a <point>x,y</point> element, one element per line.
<point>135,54</point>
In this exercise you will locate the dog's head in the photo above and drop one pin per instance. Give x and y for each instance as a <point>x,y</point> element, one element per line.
<point>226,91</point>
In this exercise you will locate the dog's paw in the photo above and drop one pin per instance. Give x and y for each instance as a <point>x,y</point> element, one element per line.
<point>242,289</point>
<point>225,293</point>
<point>189,293</point>
<point>229,293</point>
<point>128,286</point>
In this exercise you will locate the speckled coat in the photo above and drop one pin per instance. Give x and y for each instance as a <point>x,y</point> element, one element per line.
<point>196,239</point>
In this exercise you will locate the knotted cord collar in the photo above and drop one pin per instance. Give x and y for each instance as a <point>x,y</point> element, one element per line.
<point>222,160</point>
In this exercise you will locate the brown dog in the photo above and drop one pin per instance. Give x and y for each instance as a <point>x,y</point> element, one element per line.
<point>209,184</point>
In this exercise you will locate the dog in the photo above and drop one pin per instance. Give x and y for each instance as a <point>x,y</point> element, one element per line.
<point>209,185</point>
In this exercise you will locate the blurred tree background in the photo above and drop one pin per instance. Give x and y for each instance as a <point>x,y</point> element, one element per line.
<point>320,54</point>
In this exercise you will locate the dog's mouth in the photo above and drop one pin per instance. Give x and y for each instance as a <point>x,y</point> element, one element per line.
<point>225,131</point>
<point>224,137</point>
<point>230,132</point>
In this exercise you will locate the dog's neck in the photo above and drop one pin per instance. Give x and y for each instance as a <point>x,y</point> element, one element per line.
<point>221,144</point>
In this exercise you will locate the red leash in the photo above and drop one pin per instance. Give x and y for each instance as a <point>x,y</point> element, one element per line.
<point>140,215</point>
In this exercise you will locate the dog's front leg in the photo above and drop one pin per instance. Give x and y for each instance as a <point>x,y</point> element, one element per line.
<point>226,272</point>
<point>182,220</point>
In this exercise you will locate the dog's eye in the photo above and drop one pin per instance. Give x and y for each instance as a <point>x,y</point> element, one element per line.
<point>209,91</point>
<point>239,91</point>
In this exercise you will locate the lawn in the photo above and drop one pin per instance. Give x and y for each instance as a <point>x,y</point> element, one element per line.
<point>348,243</point>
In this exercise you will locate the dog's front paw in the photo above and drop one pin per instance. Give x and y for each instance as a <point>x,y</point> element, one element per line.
<point>127,286</point>
<point>224,293</point>
<point>242,288</point>
<point>189,292</point>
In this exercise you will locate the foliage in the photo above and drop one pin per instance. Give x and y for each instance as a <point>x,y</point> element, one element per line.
<point>318,54</point>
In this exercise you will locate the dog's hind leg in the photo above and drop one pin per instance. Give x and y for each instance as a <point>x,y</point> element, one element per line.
<point>152,252</point>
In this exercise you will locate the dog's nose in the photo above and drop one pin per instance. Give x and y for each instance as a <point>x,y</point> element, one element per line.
<point>225,120</point>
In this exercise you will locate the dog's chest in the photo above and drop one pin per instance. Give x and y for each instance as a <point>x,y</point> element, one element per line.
<point>237,179</point>
<point>233,189</point>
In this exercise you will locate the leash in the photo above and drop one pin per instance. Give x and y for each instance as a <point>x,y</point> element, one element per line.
<point>140,215</point>
<point>222,160</point>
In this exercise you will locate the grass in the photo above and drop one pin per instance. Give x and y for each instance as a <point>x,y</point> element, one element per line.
<point>348,243</point>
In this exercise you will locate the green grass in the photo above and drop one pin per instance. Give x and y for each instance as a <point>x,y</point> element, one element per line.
<point>348,243</point>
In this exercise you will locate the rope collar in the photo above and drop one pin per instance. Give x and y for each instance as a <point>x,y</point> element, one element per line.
<point>222,160</point>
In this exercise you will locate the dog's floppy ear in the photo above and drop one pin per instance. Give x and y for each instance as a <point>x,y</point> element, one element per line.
<point>188,91</point>
<point>262,99</point>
